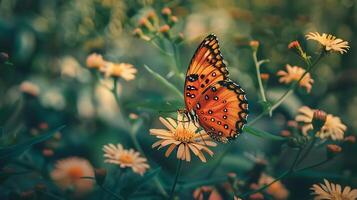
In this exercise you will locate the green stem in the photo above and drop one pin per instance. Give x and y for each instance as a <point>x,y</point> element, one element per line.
<point>159,48</point>
<point>281,100</point>
<point>309,148</point>
<point>293,86</point>
<point>313,166</point>
<point>257,68</point>
<point>283,175</point>
<point>175,181</point>
<point>132,134</point>
<point>177,61</point>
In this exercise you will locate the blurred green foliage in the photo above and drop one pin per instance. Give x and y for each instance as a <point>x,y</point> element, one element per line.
<point>48,41</point>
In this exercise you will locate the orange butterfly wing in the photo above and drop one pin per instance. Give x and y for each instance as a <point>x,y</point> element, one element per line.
<point>223,110</point>
<point>206,68</point>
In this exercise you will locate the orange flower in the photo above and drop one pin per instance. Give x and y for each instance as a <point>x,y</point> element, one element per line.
<point>294,73</point>
<point>95,60</point>
<point>68,172</point>
<point>277,189</point>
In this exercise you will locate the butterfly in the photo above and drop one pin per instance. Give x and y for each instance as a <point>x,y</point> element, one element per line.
<point>212,100</point>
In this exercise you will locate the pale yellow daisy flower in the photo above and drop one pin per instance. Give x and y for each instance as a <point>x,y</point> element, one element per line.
<point>294,73</point>
<point>331,191</point>
<point>333,127</point>
<point>119,70</point>
<point>68,172</point>
<point>125,158</point>
<point>330,42</point>
<point>184,136</point>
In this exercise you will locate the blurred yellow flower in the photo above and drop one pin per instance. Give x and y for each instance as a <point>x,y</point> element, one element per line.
<point>331,191</point>
<point>95,60</point>
<point>125,158</point>
<point>122,70</point>
<point>182,135</point>
<point>29,88</point>
<point>277,189</point>
<point>330,42</point>
<point>332,128</point>
<point>294,73</point>
<point>68,172</point>
<point>206,193</point>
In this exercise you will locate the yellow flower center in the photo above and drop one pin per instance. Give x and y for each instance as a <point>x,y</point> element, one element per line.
<point>184,135</point>
<point>117,70</point>
<point>75,172</point>
<point>126,159</point>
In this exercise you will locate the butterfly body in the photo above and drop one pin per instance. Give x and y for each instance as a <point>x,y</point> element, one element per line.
<point>212,100</point>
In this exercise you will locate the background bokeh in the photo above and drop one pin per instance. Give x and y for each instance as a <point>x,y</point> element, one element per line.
<point>48,42</point>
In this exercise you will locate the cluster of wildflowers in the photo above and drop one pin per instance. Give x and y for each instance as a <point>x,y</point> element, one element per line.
<point>152,25</point>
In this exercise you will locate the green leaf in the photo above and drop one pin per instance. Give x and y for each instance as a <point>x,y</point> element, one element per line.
<point>17,149</point>
<point>164,82</point>
<point>133,186</point>
<point>262,134</point>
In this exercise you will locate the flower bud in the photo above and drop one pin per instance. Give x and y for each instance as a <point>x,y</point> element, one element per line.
<point>43,126</point>
<point>166,11</point>
<point>350,139</point>
<point>318,120</point>
<point>138,32</point>
<point>100,174</point>
<point>293,124</point>
<point>165,30</point>
<point>173,19</point>
<point>152,17</point>
<point>254,44</point>
<point>294,45</point>
<point>256,196</point>
<point>264,76</point>
<point>333,150</point>
<point>145,24</point>
<point>285,133</point>
<point>47,152</point>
